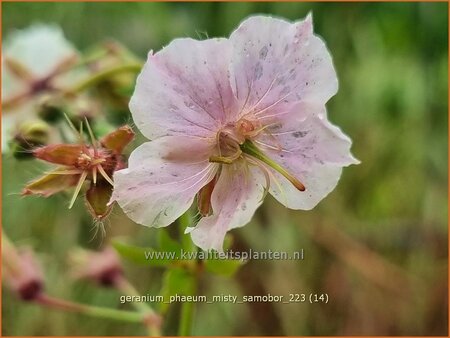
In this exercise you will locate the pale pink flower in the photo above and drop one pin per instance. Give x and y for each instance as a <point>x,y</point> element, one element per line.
<point>35,63</point>
<point>231,119</point>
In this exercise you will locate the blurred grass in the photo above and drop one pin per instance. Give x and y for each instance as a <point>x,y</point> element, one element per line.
<point>392,61</point>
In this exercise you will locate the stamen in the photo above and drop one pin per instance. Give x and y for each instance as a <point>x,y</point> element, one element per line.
<point>266,176</point>
<point>278,148</point>
<point>272,178</point>
<point>226,159</point>
<point>255,132</point>
<point>105,175</point>
<point>220,159</point>
<point>250,149</point>
<point>78,188</point>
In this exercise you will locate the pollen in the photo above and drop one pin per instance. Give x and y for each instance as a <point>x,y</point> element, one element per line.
<point>245,126</point>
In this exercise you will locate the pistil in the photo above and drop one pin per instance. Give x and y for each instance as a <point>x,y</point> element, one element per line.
<point>249,148</point>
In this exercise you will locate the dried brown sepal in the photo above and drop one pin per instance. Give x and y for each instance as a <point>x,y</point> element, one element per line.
<point>50,184</point>
<point>63,154</point>
<point>97,198</point>
<point>204,199</point>
<point>117,140</point>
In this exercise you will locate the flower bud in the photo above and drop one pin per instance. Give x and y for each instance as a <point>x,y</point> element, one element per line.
<point>21,272</point>
<point>30,134</point>
<point>102,267</point>
<point>97,198</point>
<point>50,109</point>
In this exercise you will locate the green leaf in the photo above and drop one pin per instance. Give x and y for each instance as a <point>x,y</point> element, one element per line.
<point>140,255</point>
<point>223,267</point>
<point>176,281</point>
<point>167,243</point>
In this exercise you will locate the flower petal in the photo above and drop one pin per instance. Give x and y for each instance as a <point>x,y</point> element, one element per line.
<point>277,64</point>
<point>184,89</point>
<point>311,149</point>
<point>162,179</point>
<point>39,48</point>
<point>236,196</point>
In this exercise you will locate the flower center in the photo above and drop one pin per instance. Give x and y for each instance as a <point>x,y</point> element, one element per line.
<point>234,142</point>
<point>91,158</point>
<point>231,137</point>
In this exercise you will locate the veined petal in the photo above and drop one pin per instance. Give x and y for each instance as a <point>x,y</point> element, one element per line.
<point>276,64</point>
<point>309,137</point>
<point>321,180</point>
<point>162,179</point>
<point>236,196</point>
<point>184,89</point>
<point>312,150</point>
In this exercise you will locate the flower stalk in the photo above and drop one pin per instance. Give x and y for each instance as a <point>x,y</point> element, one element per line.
<point>188,312</point>
<point>93,311</point>
<point>188,308</point>
<point>152,320</point>
<point>103,75</point>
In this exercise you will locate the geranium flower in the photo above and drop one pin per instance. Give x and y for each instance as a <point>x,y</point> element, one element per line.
<point>34,63</point>
<point>230,120</point>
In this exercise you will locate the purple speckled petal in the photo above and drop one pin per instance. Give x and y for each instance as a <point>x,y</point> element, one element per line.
<point>277,64</point>
<point>313,150</point>
<point>235,199</point>
<point>184,89</point>
<point>162,179</point>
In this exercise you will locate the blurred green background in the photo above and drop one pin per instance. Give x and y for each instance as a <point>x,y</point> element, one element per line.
<point>377,245</point>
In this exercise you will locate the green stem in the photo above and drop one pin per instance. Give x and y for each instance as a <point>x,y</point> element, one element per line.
<point>187,312</point>
<point>104,74</point>
<point>154,320</point>
<point>188,308</point>
<point>94,311</point>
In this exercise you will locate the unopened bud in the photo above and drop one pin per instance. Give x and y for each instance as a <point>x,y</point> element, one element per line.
<point>21,271</point>
<point>29,136</point>
<point>97,198</point>
<point>102,267</point>
<point>50,109</point>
